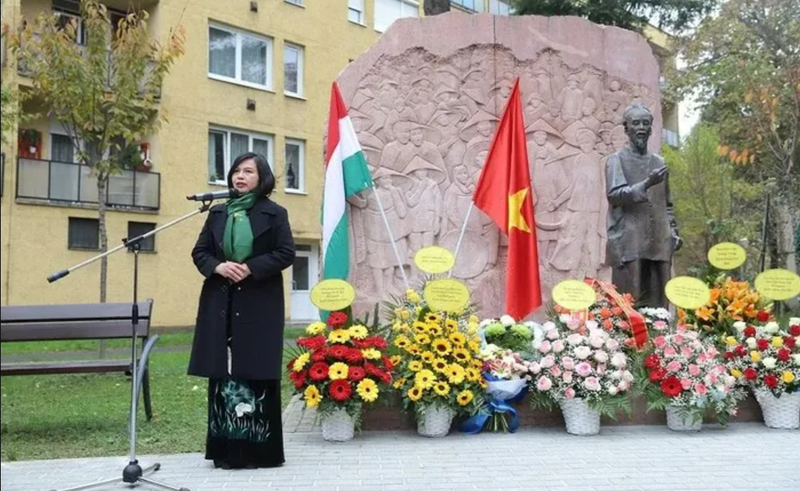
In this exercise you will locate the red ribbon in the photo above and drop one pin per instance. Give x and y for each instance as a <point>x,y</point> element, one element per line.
<point>635,319</point>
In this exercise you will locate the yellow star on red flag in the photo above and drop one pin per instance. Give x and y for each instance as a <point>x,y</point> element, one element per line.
<point>515,217</point>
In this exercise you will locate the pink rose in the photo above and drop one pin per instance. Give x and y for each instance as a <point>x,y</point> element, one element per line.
<point>660,341</point>
<point>601,356</point>
<point>555,371</point>
<point>673,366</point>
<point>567,377</point>
<point>592,383</point>
<point>713,378</point>
<point>700,389</point>
<point>569,393</point>
<point>558,346</point>
<point>597,341</point>
<point>535,367</point>
<point>669,352</point>
<point>548,361</point>
<point>545,347</point>
<point>601,369</point>
<point>573,324</point>
<point>591,325</point>
<point>583,352</point>
<point>624,385</point>
<point>686,383</point>
<point>574,339</point>
<point>678,339</point>
<point>568,363</point>
<point>712,352</point>
<point>544,383</point>
<point>552,334</point>
<point>612,345</point>
<point>583,369</point>
<point>687,351</point>
<point>659,325</point>
<point>694,370</point>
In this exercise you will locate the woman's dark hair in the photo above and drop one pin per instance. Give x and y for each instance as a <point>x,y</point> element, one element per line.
<point>266,180</point>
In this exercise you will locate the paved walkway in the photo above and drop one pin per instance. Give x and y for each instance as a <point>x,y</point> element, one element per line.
<point>746,456</point>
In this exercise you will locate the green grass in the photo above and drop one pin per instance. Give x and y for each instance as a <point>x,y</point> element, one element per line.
<point>61,416</point>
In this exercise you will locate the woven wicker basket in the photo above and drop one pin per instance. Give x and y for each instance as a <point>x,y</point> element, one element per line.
<point>436,422</point>
<point>782,412</point>
<point>338,426</point>
<point>579,417</point>
<point>678,422</point>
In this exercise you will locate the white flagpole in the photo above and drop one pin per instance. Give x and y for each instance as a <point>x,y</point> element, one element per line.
<point>391,237</point>
<point>461,237</point>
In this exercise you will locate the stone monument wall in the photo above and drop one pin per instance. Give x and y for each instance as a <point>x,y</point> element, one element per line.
<point>425,101</point>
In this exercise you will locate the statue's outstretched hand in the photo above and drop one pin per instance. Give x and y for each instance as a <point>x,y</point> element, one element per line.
<point>657,176</point>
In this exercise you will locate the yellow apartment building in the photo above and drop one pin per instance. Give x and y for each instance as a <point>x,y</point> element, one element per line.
<point>256,76</point>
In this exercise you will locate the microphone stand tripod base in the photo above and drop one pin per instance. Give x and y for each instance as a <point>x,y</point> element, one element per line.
<point>132,475</point>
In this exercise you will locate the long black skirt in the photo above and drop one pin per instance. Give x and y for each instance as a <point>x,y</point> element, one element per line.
<point>244,423</point>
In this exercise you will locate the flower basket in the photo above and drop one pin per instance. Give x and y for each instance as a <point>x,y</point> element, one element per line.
<point>580,418</point>
<point>678,420</point>
<point>782,413</point>
<point>338,426</point>
<point>435,421</point>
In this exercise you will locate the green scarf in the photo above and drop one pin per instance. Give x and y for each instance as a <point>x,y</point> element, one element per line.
<point>238,232</point>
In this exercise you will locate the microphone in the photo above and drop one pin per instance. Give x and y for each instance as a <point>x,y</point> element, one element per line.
<point>228,193</point>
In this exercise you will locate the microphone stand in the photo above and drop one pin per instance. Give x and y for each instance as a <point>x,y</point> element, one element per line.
<point>133,472</point>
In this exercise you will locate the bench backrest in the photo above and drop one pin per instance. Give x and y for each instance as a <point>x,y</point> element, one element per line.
<point>72,321</point>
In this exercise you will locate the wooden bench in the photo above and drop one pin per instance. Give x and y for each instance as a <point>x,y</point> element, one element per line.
<point>75,322</point>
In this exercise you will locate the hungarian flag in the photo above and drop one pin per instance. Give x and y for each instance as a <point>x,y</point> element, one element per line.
<point>346,173</point>
<point>504,193</point>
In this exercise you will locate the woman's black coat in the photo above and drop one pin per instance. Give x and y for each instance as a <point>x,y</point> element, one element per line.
<point>256,304</point>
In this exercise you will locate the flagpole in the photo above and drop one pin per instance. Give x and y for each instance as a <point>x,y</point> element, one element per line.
<point>461,238</point>
<point>391,237</point>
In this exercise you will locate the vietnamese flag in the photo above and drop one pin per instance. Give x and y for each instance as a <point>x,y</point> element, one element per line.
<point>505,194</point>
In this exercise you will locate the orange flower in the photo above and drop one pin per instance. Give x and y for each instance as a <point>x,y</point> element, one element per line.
<point>608,324</point>
<point>616,311</point>
<point>714,296</point>
<point>605,313</point>
<point>704,313</point>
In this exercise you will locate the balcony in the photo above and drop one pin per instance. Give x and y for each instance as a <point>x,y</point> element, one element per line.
<point>72,184</point>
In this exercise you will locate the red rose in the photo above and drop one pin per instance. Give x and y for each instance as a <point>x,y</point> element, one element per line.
<point>652,361</point>
<point>729,355</point>
<point>657,374</point>
<point>318,371</point>
<point>354,355</point>
<point>671,387</point>
<point>340,390</point>
<point>749,331</point>
<point>763,344</point>
<point>794,330</point>
<point>783,354</point>
<point>750,374</point>
<point>314,343</point>
<point>339,351</point>
<point>789,342</point>
<point>356,373</point>
<point>387,363</point>
<point>337,319</point>
<point>762,316</point>
<point>740,351</point>
<point>319,355</point>
<point>771,381</point>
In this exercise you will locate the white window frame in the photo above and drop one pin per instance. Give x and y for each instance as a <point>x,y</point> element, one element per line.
<point>237,79</point>
<point>79,24</point>
<point>300,62</point>
<point>356,6</point>
<point>400,3</point>
<point>227,150</point>
<point>301,168</point>
<point>296,3</point>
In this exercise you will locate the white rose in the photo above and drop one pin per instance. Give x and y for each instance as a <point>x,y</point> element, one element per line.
<point>574,339</point>
<point>796,360</point>
<point>552,334</point>
<point>536,344</point>
<point>596,342</point>
<point>592,325</point>
<point>617,374</point>
<point>507,321</point>
<point>619,360</point>
<point>772,327</point>
<point>583,352</point>
<point>558,346</point>
<point>612,344</point>
<point>769,362</point>
<point>601,356</point>
<point>740,326</point>
<point>751,343</point>
<point>535,368</point>
<point>485,322</point>
<point>794,321</point>
<point>613,390</point>
<point>627,376</point>
<point>564,318</point>
<point>549,326</point>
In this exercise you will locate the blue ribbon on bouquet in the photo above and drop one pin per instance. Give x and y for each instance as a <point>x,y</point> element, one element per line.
<point>475,424</point>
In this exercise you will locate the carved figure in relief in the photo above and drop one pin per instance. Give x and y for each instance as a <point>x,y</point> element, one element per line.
<point>393,151</point>
<point>424,199</point>
<point>452,148</point>
<point>422,148</point>
<point>571,99</point>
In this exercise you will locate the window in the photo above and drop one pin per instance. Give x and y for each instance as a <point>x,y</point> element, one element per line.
<point>70,12</point>
<point>225,145</point>
<point>295,165</point>
<point>84,233</point>
<point>62,148</point>
<point>239,57</point>
<point>293,70</point>
<point>299,3</point>
<point>355,11</point>
<point>473,5</point>
<point>670,137</point>
<point>136,229</point>
<point>388,11</point>
<point>499,7</point>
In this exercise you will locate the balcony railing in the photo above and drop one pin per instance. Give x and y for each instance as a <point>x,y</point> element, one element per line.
<point>66,182</point>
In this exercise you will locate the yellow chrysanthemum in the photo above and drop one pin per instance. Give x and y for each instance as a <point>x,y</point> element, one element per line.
<point>442,388</point>
<point>315,328</point>
<point>368,390</point>
<point>401,341</point>
<point>422,339</point>
<point>787,377</point>
<point>414,349</point>
<point>371,354</point>
<point>441,346</point>
<point>474,345</point>
<point>399,383</point>
<point>419,327</point>
<point>395,359</point>
<point>472,329</point>
<point>435,330</point>
<point>473,374</point>
<point>755,356</point>
<point>427,356</point>
<point>312,396</point>
<point>465,397</point>
<point>338,371</point>
<point>457,338</point>
<point>358,332</point>
<point>412,296</point>
<point>339,336</point>
<point>455,374</point>
<point>414,393</point>
<point>415,365</point>
<point>432,317</point>
<point>777,342</point>
<point>301,362</point>
<point>424,379</point>
<point>473,319</point>
<point>397,326</point>
<point>736,373</point>
<point>461,355</point>
<point>440,365</point>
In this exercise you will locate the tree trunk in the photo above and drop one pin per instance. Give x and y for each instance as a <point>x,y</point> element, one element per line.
<point>102,185</point>
<point>436,7</point>
<point>785,225</point>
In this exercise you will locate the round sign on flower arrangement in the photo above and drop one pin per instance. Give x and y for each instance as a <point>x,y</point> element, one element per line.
<point>332,295</point>
<point>434,260</point>
<point>446,295</point>
<point>574,295</point>
<point>778,284</point>
<point>687,292</point>
<point>727,255</point>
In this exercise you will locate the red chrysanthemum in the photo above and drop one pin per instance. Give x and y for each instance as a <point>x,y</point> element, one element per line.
<point>318,371</point>
<point>319,355</point>
<point>290,365</point>
<point>386,377</point>
<point>340,390</point>
<point>360,343</point>
<point>784,354</point>
<point>794,330</point>
<point>671,387</point>
<point>763,344</point>
<point>387,363</point>
<point>789,342</point>
<point>771,381</point>
<point>750,373</point>
<point>377,342</point>
<point>337,319</point>
<point>762,316</point>
<point>652,361</point>
<point>657,375</point>
<point>339,351</point>
<point>356,374</point>
<point>314,343</point>
<point>353,355</point>
<point>299,379</point>
<point>372,370</point>
<point>749,331</point>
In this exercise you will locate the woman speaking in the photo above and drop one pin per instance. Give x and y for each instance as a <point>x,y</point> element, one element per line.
<point>238,340</point>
